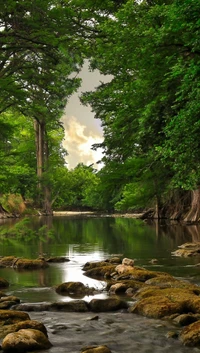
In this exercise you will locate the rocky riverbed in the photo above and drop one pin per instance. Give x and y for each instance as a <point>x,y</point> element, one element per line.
<point>146,311</point>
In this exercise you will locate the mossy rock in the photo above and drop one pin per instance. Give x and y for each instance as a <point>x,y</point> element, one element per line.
<point>7,261</point>
<point>8,317</point>
<point>156,307</point>
<point>104,305</point>
<point>22,264</point>
<point>26,324</point>
<point>139,274</point>
<point>101,272</point>
<point>120,287</point>
<point>190,335</point>
<point>74,288</point>
<point>25,340</point>
<point>58,259</point>
<point>27,264</point>
<point>91,265</point>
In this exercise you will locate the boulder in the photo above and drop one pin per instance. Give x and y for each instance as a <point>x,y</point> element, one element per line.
<point>74,288</point>
<point>104,305</point>
<point>190,335</point>
<point>8,317</point>
<point>101,272</point>
<point>96,349</point>
<point>25,340</point>
<point>33,324</point>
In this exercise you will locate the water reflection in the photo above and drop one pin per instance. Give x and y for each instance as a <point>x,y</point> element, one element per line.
<point>91,239</point>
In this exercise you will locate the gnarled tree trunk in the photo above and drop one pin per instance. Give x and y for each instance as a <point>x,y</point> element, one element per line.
<point>193,214</point>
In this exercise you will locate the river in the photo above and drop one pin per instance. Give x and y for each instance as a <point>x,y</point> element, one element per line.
<point>83,239</point>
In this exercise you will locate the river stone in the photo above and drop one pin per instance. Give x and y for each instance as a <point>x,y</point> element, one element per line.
<point>185,319</point>
<point>99,272</point>
<point>110,304</point>
<point>71,306</point>
<point>73,288</point>
<point>58,259</point>
<point>8,317</point>
<point>4,283</point>
<point>25,340</point>
<point>128,262</point>
<point>32,306</point>
<point>190,335</point>
<point>96,349</point>
<point>33,324</point>
<point>156,307</point>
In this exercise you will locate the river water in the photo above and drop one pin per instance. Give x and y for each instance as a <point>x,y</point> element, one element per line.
<point>83,239</point>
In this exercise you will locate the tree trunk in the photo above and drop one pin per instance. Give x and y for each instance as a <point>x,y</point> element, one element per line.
<point>42,156</point>
<point>194,213</point>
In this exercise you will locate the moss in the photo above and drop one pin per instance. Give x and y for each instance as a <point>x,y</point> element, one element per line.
<point>101,272</point>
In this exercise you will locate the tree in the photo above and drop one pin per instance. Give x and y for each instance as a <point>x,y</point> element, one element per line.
<point>150,108</point>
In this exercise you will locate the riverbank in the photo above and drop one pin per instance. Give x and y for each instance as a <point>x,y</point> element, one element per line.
<point>91,213</point>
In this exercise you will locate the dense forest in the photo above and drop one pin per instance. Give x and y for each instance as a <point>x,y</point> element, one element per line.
<point>149,110</point>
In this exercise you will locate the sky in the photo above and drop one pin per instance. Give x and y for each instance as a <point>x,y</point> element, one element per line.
<point>82,130</point>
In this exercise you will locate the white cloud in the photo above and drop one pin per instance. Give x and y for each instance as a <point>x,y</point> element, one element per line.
<point>78,143</point>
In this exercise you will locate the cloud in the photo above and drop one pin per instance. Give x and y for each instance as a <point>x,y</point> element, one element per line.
<point>78,143</point>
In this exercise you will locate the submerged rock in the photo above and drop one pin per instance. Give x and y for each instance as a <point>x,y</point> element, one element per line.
<point>110,304</point>
<point>25,340</point>
<point>188,249</point>
<point>71,306</point>
<point>96,349</point>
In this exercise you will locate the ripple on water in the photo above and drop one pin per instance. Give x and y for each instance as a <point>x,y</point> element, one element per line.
<point>121,332</point>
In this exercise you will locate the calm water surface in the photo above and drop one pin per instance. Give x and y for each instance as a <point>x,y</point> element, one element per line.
<point>91,239</point>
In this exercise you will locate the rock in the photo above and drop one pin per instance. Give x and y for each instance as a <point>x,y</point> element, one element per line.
<point>121,269</point>
<point>101,272</point>
<point>104,305</point>
<point>91,265</point>
<point>136,273</point>
<point>18,263</point>
<point>7,302</point>
<point>187,250</point>
<point>125,285</point>
<point>185,319</point>
<point>71,306</point>
<point>8,317</point>
<point>32,306</point>
<point>153,261</point>
<point>190,335</point>
<point>33,324</point>
<point>128,262</point>
<point>155,307</point>
<point>58,259</point>
<point>25,340</point>
<point>172,334</point>
<point>3,283</point>
<point>96,349</point>
<point>74,289</point>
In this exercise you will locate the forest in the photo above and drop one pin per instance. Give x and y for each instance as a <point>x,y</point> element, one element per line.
<point>149,110</point>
